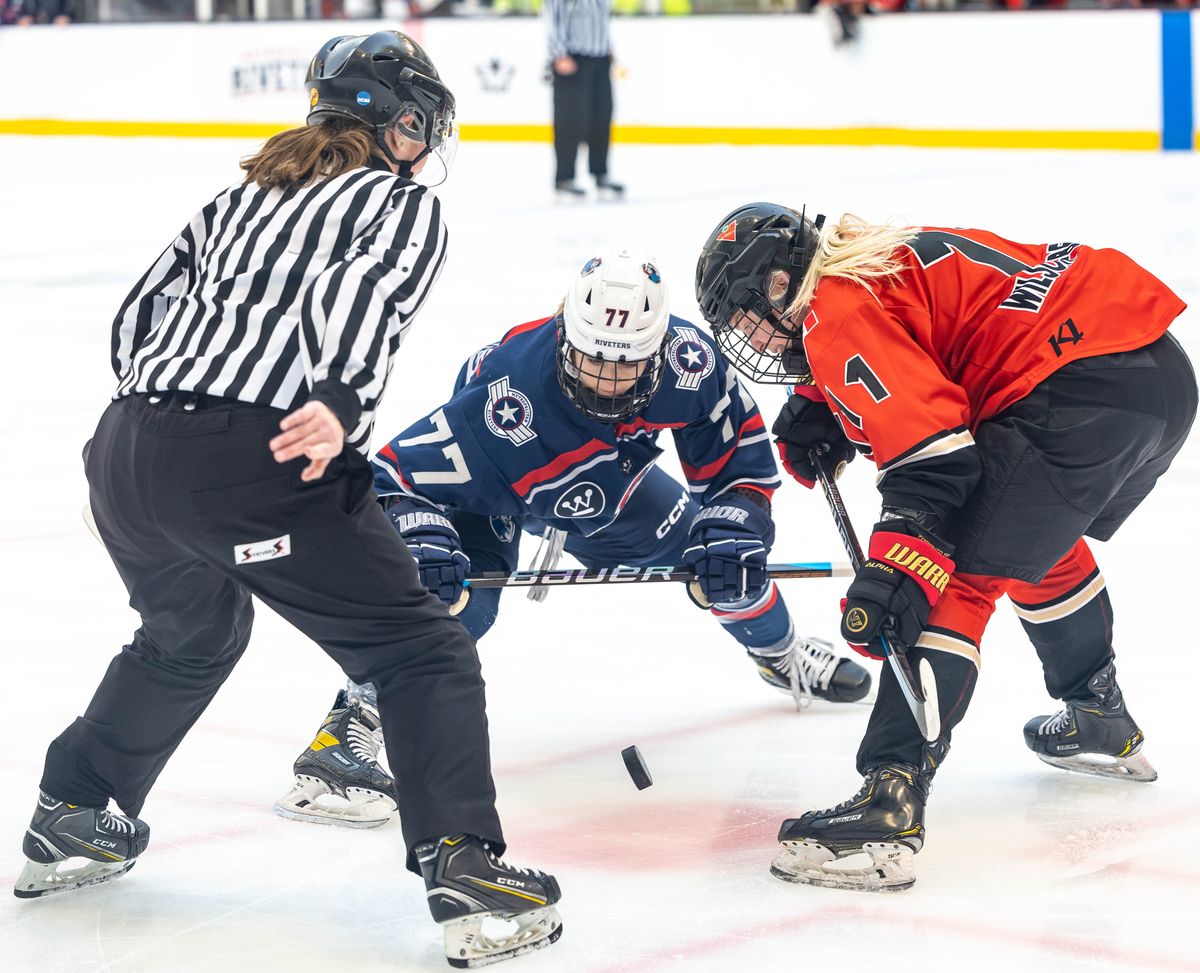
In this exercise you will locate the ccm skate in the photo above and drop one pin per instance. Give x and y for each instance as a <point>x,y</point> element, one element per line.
<point>467,883</point>
<point>60,833</point>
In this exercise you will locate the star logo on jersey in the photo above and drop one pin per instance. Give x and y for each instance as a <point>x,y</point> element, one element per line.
<point>581,500</point>
<point>728,232</point>
<point>690,359</point>
<point>509,413</point>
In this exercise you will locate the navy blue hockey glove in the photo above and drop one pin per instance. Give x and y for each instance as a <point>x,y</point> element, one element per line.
<point>806,422</point>
<point>906,571</point>
<point>728,545</point>
<point>433,541</point>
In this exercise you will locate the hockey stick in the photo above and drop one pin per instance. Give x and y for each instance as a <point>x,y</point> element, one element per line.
<point>922,699</point>
<point>574,576</point>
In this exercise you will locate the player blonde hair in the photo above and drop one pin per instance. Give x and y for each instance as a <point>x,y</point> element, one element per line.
<point>301,156</point>
<point>856,250</point>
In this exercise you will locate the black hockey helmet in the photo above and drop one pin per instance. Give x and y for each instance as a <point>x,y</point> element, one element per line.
<point>736,276</point>
<point>378,79</point>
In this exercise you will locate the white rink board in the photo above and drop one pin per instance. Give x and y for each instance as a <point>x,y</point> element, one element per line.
<point>1070,71</point>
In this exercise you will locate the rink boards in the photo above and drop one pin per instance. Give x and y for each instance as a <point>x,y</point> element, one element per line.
<point>1115,79</point>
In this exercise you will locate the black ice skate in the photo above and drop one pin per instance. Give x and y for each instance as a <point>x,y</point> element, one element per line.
<point>565,190</point>
<point>467,883</point>
<point>1094,736</point>
<point>338,778</point>
<point>608,190</point>
<point>808,669</point>
<point>865,843</point>
<point>59,832</point>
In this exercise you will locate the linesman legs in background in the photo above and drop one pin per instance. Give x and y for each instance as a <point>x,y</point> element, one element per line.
<point>583,111</point>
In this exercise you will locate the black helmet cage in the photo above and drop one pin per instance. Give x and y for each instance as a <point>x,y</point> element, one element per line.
<point>377,80</point>
<point>733,279</point>
<point>605,408</point>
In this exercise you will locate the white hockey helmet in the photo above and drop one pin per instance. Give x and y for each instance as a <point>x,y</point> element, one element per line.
<point>613,335</point>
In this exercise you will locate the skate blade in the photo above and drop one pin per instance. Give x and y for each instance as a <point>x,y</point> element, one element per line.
<point>37,880</point>
<point>879,866</point>
<point>312,801</point>
<point>469,947</point>
<point>1135,767</point>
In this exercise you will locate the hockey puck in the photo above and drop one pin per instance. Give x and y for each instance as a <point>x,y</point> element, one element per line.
<point>636,766</point>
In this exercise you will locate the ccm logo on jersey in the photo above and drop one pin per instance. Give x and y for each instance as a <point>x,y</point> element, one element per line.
<point>268,550</point>
<point>673,517</point>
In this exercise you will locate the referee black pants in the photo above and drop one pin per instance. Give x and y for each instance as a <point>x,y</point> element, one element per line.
<point>197,517</point>
<point>583,110</point>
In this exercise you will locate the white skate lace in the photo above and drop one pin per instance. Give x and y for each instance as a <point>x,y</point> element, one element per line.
<point>816,662</point>
<point>362,741</point>
<point>1057,722</point>
<point>846,803</point>
<point>114,822</point>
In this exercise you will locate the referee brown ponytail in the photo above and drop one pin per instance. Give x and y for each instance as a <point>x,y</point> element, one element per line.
<point>301,156</point>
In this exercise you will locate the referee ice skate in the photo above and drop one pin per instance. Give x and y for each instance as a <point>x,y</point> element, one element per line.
<point>250,360</point>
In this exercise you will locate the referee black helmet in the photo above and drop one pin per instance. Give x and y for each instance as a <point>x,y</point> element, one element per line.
<point>381,80</point>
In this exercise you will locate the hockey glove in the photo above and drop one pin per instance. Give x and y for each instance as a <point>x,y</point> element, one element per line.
<point>728,545</point>
<point>806,422</point>
<point>433,541</point>
<point>906,571</point>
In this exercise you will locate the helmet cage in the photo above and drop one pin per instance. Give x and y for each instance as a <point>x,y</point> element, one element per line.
<point>786,367</point>
<point>734,290</point>
<point>579,377</point>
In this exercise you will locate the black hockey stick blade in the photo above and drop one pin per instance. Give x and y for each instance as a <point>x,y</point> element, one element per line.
<point>921,696</point>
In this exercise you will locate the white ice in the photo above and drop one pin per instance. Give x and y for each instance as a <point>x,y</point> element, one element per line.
<point>1026,867</point>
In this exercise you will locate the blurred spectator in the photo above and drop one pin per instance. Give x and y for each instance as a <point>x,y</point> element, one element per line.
<point>581,64</point>
<point>24,12</point>
<point>845,17</point>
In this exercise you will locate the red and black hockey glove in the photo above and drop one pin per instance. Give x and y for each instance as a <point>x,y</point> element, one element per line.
<point>804,423</point>
<point>905,573</point>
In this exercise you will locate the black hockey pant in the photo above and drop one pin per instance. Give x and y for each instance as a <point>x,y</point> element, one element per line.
<point>1073,458</point>
<point>197,517</point>
<point>583,109</point>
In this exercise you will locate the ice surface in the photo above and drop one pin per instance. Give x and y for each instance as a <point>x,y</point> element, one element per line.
<point>1026,867</point>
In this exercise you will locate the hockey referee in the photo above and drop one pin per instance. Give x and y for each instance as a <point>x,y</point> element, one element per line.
<point>581,66</point>
<point>251,357</point>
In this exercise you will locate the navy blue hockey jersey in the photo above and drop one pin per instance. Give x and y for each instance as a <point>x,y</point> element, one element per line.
<point>510,443</point>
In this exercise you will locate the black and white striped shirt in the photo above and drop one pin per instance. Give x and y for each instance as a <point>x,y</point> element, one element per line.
<point>578,27</point>
<point>277,296</point>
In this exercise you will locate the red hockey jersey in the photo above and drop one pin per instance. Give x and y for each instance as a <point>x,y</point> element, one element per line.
<point>912,366</point>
